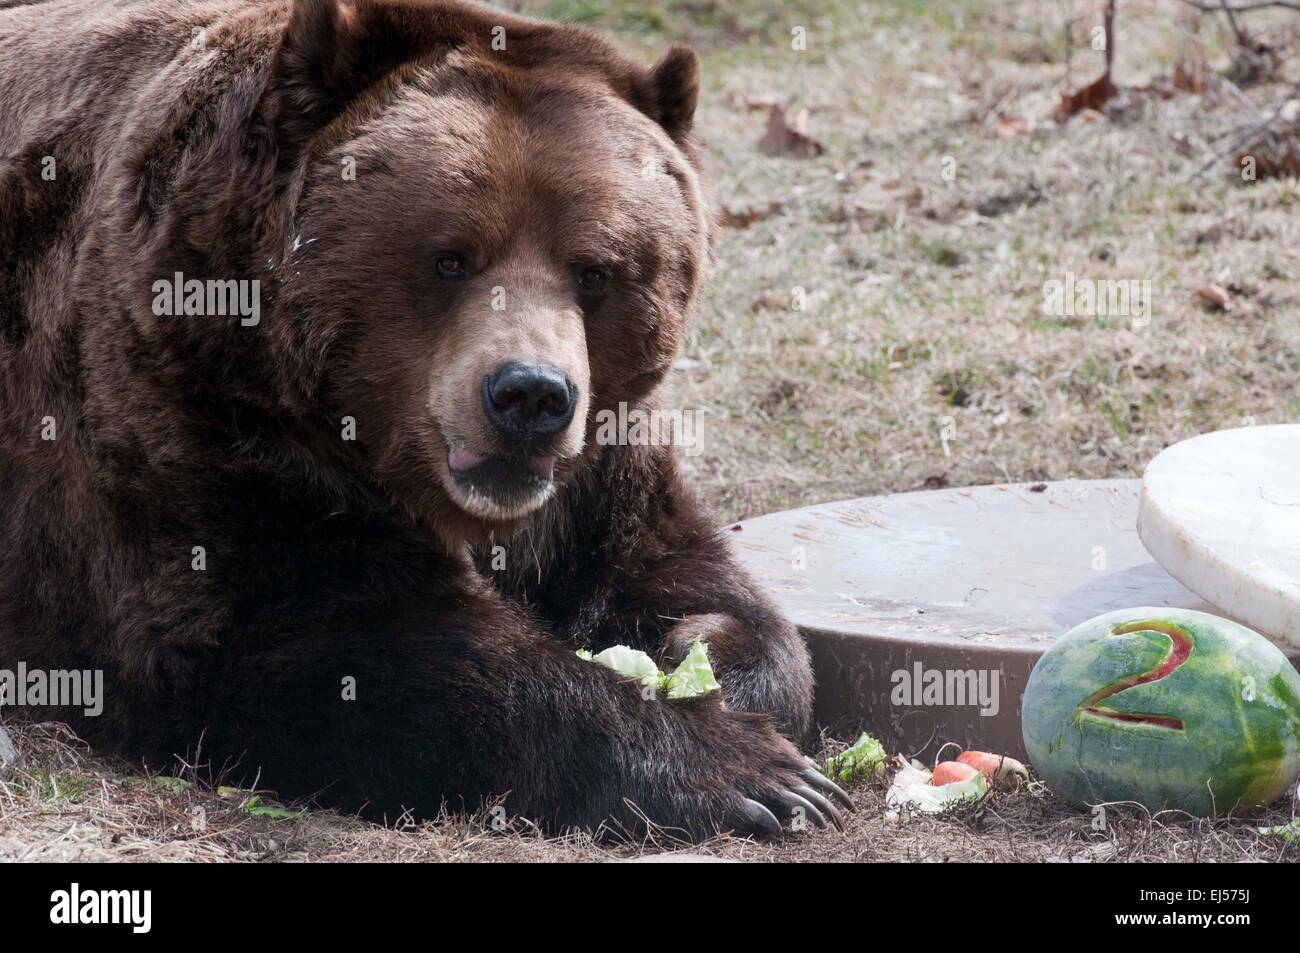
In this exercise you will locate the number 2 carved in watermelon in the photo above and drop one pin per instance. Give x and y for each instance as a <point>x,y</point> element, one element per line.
<point>1180,649</point>
<point>1181,709</point>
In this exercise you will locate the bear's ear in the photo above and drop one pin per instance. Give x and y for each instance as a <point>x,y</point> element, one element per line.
<point>675,91</point>
<point>330,52</point>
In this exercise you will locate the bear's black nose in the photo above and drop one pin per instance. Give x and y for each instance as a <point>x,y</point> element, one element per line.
<point>528,401</point>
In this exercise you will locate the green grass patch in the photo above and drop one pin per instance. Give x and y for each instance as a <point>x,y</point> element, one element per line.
<point>55,787</point>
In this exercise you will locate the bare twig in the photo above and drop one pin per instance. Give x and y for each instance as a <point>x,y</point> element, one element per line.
<point>1237,31</point>
<point>1109,20</point>
<point>1269,125</point>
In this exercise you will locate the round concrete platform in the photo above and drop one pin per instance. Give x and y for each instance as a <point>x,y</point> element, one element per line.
<point>925,612</point>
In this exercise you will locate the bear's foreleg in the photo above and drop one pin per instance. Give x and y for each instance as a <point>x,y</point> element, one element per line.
<point>416,709</point>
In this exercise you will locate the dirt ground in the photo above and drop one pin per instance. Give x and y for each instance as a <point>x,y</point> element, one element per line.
<point>66,805</point>
<point>876,324</point>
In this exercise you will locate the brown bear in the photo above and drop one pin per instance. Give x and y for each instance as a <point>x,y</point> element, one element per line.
<point>307,315</point>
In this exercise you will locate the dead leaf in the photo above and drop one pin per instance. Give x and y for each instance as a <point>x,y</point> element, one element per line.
<point>1272,163</point>
<point>907,193</point>
<point>1010,127</point>
<point>1093,96</point>
<point>1189,77</point>
<point>771,301</point>
<point>788,137</point>
<point>1215,297</point>
<point>743,217</point>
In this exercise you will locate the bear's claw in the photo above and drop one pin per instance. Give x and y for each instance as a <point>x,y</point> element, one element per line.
<point>822,805</point>
<point>826,786</point>
<point>811,799</point>
<point>761,821</point>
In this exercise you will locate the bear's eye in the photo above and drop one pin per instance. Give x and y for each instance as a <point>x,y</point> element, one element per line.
<point>451,266</point>
<point>593,278</point>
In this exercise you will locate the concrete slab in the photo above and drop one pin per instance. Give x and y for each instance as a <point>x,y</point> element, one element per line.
<point>1221,513</point>
<point>679,857</point>
<point>970,583</point>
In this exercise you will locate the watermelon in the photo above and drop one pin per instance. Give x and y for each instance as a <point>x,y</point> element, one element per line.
<point>1167,707</point>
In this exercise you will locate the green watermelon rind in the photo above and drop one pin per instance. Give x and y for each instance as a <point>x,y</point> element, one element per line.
<point>1240,744</point>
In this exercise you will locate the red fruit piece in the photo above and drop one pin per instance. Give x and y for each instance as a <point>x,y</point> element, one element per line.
<point>949,771</point>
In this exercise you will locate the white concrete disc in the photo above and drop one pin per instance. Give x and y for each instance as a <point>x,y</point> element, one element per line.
<point>1221,513</point>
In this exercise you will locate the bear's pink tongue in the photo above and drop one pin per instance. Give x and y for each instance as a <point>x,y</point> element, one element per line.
<point>458,458</point>
<point>544,467</point>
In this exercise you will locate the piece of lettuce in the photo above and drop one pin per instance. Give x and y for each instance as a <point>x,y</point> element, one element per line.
<point>1288,832</point>
<point>630,663</point>
<point>865,758</point>
<point>912,791</point>
<point>173,785</point>
<point>692,678</point>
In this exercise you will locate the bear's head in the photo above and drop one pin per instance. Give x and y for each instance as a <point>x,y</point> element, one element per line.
<point>500,221</point>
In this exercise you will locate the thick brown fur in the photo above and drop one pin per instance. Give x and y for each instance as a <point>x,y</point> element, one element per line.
<point>197,526</point>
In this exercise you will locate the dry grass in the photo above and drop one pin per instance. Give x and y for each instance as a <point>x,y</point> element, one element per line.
<point>924,296</point>
<point>923,302</point>
<point>63,804</point>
